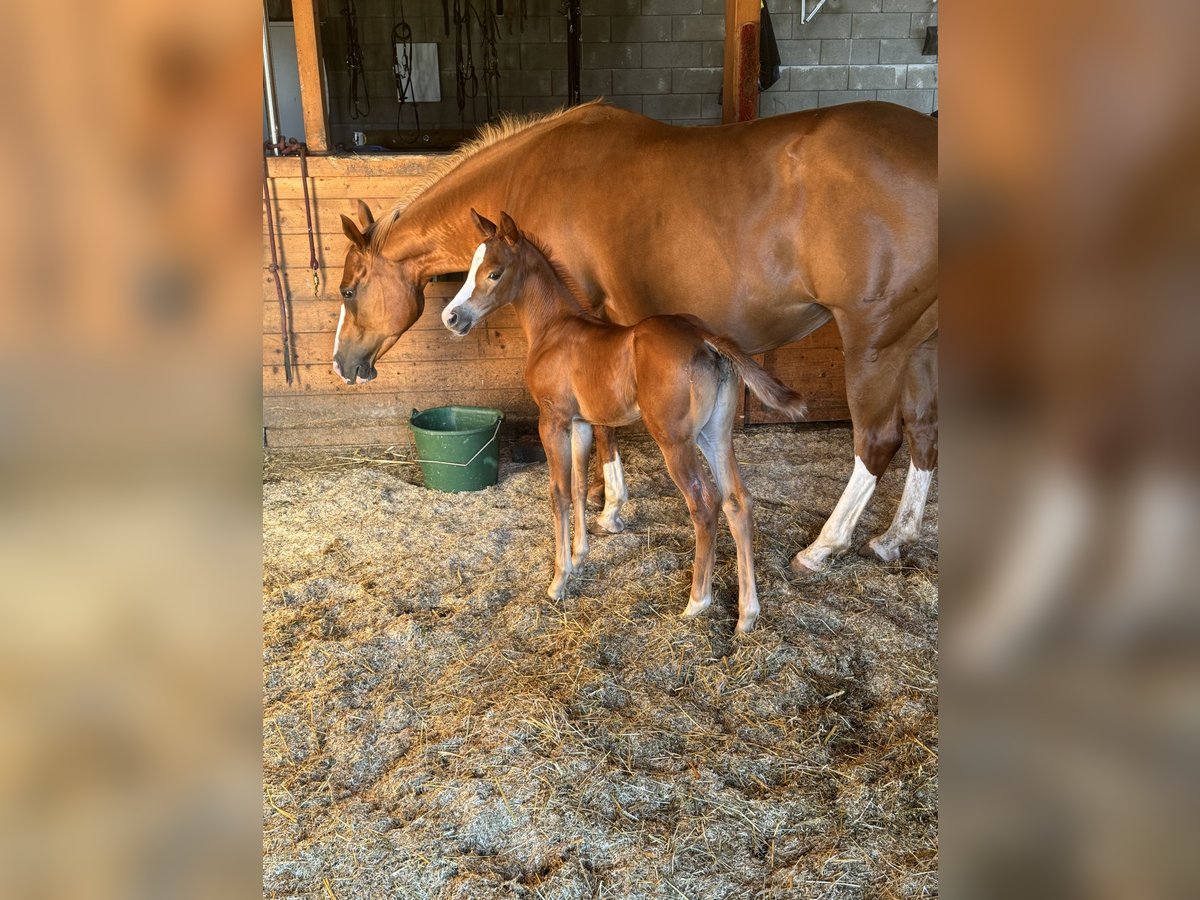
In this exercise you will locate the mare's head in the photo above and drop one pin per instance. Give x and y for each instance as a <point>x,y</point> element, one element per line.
<point>380,301</point>
<point>493,279</point>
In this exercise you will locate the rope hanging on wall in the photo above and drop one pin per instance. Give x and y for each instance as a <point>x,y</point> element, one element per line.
<point>466,78</point>
<point>466,83</point>
<point>402,66</point>
<point>355,67</point>
<point>489,36</point>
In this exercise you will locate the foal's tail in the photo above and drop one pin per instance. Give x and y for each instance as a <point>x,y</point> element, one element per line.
<point>765,386</point>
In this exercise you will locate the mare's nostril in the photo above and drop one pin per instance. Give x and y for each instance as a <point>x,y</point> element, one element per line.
<point>452,319</point>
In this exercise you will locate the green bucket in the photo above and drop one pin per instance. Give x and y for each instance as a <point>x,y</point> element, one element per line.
<point>458,446</point>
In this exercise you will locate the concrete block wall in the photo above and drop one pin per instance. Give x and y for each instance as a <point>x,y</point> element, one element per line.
<point>662,58</point>
<point>853,50</point>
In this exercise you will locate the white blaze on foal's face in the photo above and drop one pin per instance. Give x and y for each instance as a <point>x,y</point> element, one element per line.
<point>464,293</point>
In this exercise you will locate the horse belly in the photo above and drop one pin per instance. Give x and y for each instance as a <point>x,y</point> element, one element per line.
<point>604,384</point>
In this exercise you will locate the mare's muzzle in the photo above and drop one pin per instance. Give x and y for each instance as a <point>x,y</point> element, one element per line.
<point>354,372</point>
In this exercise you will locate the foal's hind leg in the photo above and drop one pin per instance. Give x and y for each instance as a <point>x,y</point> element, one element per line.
<point>683,462</point>
<point>716,442</point>
<point>556,439</point>
<point>919,410</point>
<point>581,445</point>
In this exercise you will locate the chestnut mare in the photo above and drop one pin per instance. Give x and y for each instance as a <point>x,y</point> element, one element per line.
<point>764,230</point>
<point>670,371</point>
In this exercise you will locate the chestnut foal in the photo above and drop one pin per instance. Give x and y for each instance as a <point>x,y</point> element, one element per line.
<point>681,379</point>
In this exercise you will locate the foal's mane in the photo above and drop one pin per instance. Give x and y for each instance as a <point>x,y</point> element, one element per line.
<point>489,134</point>
<point>568,280</point>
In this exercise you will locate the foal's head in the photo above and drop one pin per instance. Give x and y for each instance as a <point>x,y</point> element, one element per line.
<point>494,278</point>
<point>380,301</point>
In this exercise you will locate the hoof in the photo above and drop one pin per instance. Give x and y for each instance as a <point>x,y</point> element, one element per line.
<point>557,590</point>
<point>577,559</point>
<point>695,607</point>
<point>803,564</point>
<point>746,625</point>
<point>883,550</point>
<point>611,524</point>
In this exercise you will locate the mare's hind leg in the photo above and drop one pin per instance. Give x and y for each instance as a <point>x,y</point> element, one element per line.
<point>683,462</point>
<point>610,483</point>
<point>716,442</point>
<point>873,379</point>
<point>556,439</point>
<point>581,445</point>
<point>919,410</point>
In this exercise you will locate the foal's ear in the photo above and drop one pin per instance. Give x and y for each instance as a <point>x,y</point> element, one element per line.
<point>486,226</point>
<point>352,232</point>
<point>365,219</point>
<point>509,230</point>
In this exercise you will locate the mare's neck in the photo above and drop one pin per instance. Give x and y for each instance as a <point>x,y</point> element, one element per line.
<point>433,235</point>
<point>544,300</point>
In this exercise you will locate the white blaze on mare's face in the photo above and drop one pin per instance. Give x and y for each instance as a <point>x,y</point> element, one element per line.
<point>337,337</point>
<point>468,288</point>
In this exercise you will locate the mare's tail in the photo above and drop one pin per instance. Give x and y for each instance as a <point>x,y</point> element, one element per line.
<point>765,386</point>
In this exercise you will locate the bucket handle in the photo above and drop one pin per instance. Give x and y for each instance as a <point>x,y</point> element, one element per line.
<point>463,465</point>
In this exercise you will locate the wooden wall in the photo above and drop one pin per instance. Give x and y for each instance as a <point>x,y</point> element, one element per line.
<point>428,366</point>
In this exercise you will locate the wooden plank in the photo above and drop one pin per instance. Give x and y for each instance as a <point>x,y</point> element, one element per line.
<point>321,188</point>
<point>367,165</point>
<point>399,435</point>
<point>290,217</point>
<point>348,410</point>
<point>823,409</point>
<point>425,345</point>
<point>464,377</point>
<point>312,88</point>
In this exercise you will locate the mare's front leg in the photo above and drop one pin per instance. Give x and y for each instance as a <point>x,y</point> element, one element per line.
<point>610,486</point>
<point>581,445</point>
<point>556,439</point>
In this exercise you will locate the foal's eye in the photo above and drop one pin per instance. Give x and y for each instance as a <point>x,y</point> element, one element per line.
<point>495,274</point>
<point>348,294</point>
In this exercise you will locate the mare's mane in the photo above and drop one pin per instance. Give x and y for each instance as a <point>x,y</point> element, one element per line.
<point>489,134</point>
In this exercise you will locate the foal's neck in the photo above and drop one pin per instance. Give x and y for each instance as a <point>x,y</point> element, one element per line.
<point>543,300</point>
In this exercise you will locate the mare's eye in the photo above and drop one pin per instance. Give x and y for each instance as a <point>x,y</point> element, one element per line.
<point>495,275</point>
<point>348,294</point>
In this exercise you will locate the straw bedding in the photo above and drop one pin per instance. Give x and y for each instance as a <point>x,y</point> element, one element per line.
<point>434,726</point>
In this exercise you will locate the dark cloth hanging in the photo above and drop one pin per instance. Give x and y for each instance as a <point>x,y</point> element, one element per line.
<point>768,51</point>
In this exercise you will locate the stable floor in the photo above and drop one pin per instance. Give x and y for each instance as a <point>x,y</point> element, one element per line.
<point>435,727</point>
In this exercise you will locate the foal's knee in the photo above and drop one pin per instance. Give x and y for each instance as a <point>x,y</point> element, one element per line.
<point>739,504</point>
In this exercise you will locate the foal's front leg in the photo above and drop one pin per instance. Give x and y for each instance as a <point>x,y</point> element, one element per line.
<point>556,439</point>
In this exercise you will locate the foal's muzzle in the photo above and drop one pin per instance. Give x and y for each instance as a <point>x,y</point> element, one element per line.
<point>460,320</point>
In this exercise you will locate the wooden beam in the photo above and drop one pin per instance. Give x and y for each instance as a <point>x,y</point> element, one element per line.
<point>739,102</point>
<point>312,92</point>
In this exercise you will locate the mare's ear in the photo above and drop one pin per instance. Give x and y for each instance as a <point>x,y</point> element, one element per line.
<point>485,226</point>
<point>509,230</point>
<point>365,219</point>
<point>352,232</point>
